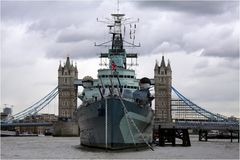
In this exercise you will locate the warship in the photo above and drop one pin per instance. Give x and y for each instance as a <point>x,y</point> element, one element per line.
<point>116,110</point>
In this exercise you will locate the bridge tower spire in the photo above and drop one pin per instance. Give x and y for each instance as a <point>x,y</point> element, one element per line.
<point>67,103</point>
<point>163,83</point>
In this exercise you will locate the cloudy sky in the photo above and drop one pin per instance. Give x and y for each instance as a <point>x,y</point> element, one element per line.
<point>201,39</point>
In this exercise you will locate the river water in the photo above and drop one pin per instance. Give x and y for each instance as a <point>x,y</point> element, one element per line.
<point>69,148</point>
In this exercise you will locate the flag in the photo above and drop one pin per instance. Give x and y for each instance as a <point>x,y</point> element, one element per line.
<point>114,66</point>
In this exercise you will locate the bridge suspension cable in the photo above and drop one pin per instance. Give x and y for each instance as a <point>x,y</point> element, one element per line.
<point>209,115</point>
<point>36,107</point>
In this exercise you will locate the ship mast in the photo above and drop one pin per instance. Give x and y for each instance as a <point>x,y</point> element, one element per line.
<point>117,6</point>
<point>117,39</point>
<point>117,53</point>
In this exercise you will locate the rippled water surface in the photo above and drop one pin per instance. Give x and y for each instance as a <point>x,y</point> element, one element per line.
<point>69,148</point>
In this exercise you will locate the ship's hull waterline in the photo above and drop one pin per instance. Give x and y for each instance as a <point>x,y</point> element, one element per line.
<point>115,131</point>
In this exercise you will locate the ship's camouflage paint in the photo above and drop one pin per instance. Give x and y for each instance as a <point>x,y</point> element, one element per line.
<point>92,124</point>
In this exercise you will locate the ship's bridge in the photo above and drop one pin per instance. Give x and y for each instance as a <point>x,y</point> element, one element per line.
<point>110,82</point>
<point>126,78</point>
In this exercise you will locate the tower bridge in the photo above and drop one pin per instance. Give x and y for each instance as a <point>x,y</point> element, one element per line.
<point>169,112</point>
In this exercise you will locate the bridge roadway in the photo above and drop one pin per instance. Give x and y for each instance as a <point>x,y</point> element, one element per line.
<point>201,125</point>
<point>178,124</point>
<point>25,124</point>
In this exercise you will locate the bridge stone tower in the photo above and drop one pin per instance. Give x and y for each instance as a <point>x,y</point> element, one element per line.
<point>67,103</point>
<point>163,83</point>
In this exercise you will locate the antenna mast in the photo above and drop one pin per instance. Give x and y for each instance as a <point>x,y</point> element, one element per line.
<point>116,52</point>
<point>117,6</point>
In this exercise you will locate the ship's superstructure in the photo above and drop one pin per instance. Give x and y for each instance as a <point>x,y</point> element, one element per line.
<point>116,75</point>
<point>116,108</point>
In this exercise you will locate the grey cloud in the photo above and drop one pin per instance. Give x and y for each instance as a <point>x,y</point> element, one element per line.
<point>44,25</point>
<point>217,83</point>
<point>230,63</point>
<point>15,63</point>
<point>218,77</point>
<point>166,31</point>
<point>71,37</point>
<point>207,72</point>
<point>225,47</point>
<point>201,65</point>
<point>215,89</point>
<point>75,34</point>
<point>48,16</point>
<point>222,52</point>
<point>166,47</point>
<point>78,50</point>
<point>193,7</point>
<point>215,40</point>
<point>25,10</point>
<point>19,48</point>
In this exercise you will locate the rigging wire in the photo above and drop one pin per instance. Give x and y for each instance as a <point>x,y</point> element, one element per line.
<point>131,120</point>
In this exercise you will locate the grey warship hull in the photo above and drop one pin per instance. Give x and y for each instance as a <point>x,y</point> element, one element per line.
<point>105,124</point>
